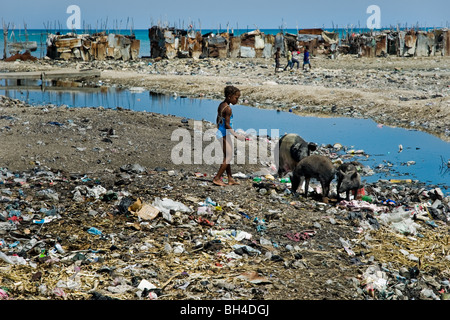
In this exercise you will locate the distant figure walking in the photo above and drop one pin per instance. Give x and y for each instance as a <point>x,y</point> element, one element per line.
<point>289,60</point>
<point>295,54</point>
<point>306,59</point>
<point>277,59</point>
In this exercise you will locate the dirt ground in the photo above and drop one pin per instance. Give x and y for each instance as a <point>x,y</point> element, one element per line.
<point>99,144</point>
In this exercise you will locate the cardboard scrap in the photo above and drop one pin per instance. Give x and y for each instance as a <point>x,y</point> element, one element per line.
<point>148,212</point>
<point>254,277</point>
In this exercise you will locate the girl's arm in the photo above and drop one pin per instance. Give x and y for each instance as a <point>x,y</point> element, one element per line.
<point>227,116</point>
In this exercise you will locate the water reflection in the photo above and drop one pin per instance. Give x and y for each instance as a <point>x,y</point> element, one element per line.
<point>423,157</point>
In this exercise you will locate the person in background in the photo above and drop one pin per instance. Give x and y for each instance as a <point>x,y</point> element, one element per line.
<point>295,54</point>
<point>289,60</point>
<point>306,59</point>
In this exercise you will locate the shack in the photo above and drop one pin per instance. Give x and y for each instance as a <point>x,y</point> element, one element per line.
<point>318,41</point>
<point>235,47</point>
<point>252,44</point>
<point>426,44</point>
<point>407,43</point>
<point>175,43</point>
<point>289,40</point>
<point>87,47</point>
<point>270,46</point>
<point>402,43</point>
<point>170,43</point>
<point>216,46</point>
<point>164,42</point>
<point>442,38</point>
<point>191,45</point>
<point>375,45</point>
<point>309,38</point>
<point>368,44</point>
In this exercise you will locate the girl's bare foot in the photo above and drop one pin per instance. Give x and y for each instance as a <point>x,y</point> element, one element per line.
<point>218,182</point>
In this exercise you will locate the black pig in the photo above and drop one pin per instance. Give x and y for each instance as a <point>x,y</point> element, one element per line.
<point>315,166</point>
<point>348,179</point>
<point>291,149</point>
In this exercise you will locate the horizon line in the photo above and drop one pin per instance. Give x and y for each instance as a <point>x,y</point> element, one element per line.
<point>223,29</point>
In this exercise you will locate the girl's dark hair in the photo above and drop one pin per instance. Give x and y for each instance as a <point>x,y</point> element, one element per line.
<point>230,90</point>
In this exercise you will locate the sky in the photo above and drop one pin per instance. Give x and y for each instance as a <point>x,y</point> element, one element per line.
<point>213,14</point>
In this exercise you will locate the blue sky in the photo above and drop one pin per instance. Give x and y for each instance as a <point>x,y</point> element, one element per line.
<point>212,14</point>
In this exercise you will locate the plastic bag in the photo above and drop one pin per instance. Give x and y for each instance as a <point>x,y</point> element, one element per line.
<point>5,258</point>
<point>165,205</point>
<point>400,220</point>
<point>12,259</point>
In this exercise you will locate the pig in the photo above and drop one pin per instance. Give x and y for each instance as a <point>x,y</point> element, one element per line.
<point>291,149</point>
<point>315,166</point>
<point>348,179</point>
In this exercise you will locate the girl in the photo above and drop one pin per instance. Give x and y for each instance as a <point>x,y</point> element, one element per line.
<point>225,132</point>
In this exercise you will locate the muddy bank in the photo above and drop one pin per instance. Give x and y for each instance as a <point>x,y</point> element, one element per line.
<point>404,92</point>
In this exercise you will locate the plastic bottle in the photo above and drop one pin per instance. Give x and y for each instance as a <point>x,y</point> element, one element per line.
<point>366,198</point>
<point>59,248</point>
<point>285,180</point>
<point>257,179</point>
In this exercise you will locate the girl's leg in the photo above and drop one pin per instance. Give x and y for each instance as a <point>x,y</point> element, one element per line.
<point>225,166</point>
<point>231,180</point>
<point>229,150</point>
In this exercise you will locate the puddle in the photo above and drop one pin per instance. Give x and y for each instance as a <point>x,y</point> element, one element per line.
<point>424,157</point>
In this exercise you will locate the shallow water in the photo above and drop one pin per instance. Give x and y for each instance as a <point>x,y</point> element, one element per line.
<point>380,143</point>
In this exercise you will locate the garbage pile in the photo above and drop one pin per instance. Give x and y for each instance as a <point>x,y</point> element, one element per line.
<point>140,233</point>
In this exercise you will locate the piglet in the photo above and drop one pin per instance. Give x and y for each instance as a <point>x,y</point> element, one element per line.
<point>348,179</point>
<point>314,166</point>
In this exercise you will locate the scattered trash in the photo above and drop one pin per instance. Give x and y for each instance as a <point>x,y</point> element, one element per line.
<point>244,249</point>
<point>94,231</point>
<point>148,212</point>
<point>140,239</point>
<point>374,280</point>
<point>304,235</point>
<point>165,205</point>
